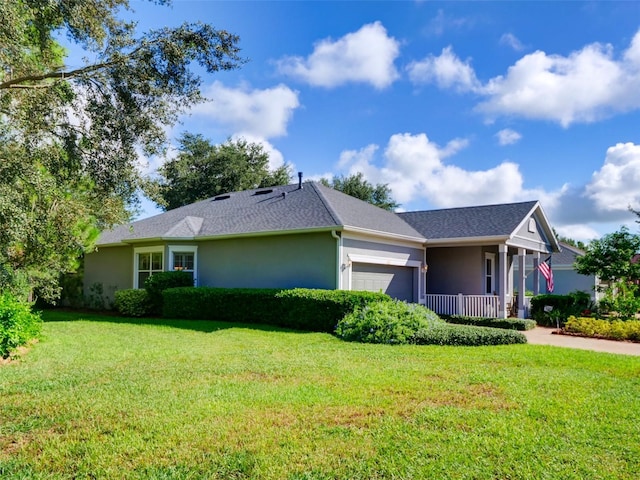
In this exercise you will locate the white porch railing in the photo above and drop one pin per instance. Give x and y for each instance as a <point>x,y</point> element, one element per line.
<point>466,305</point>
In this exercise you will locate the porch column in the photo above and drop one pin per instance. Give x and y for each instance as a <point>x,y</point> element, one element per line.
<point>522,257</point>
<point>502,280</point>
<point>536,273</point>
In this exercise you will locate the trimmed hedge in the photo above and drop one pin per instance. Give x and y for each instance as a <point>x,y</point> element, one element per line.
<point>299,308</point>
<point>159,282</point>
<point>599,328</point>
<point>18,324</point>
<point>564,306</point>
<point>132,302</point>
<point>467,335</point>
<point>520,324</point>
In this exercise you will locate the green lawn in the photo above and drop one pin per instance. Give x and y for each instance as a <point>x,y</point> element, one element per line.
<point>102,397</point>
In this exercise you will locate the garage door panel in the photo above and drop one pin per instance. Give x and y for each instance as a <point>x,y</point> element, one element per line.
<point>394,281</point>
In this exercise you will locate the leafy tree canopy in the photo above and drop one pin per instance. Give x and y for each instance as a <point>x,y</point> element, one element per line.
<point>356,186</point>
<point>611,257</point>
<point>202,170</point>
<point>70,137</point>
<point>570,241</point>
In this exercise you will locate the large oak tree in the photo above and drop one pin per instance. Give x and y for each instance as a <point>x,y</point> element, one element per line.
<point>202,170</point>
<point>70,137</point>
<point>357,186</point>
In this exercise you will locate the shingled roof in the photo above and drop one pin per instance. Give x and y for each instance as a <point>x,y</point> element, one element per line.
<point>470,222</point>
<point>280,209</point>
<point>565,258</point>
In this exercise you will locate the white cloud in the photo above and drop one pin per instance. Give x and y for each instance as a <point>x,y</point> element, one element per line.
<point>512,41</point>
<point>585,86</point>
<point>446,71</point>
<point>578,232</point>
<point>263,113</point>
<point>417,170</point>
<point>615,185</point>
<point>414,169</point>
<point>508,137</point>
<point>364,56</point>
<point>580,88</point>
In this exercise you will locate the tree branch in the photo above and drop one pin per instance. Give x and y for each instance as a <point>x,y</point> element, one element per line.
<point>20,81</point>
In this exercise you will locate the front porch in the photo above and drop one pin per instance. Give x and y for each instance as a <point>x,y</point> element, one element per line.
<point>472,253</point>
<point>487,306</point>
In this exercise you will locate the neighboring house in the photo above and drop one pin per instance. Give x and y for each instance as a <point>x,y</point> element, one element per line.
<point>304,235</point>
<point>471,253</point>
<point>565,277</point>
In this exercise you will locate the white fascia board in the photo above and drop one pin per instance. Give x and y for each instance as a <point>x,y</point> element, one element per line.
<point>466,241</point>
<point>363,232</point>
<point>129,241</point>
<point>372,259</point>
<point>107,245</point>
<point>367,237</point>
<point>133,241</point>
<point>527,244</point>
<point>221,237</point>
<point>271,233</point>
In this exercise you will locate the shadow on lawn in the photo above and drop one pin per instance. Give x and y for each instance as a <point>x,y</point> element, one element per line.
<point>71,315</point>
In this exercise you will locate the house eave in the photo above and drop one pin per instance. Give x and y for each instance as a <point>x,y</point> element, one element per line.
<point>466,241</point>
<point>387,235</point>
<point>199,238</point>
<point>268,233</point>
<point>271,233</point>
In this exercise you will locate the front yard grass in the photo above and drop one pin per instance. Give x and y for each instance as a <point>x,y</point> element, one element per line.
<point>104,397</point>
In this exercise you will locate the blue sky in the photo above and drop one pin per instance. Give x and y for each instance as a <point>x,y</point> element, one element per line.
<point>450,103</point>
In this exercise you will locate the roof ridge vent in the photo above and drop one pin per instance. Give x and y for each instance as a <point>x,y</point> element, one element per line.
<point>263,192</point>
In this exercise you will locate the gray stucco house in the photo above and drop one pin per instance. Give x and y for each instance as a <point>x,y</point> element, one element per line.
<point>458,260</point>
<point>471,254</point>
<point>301,235</point>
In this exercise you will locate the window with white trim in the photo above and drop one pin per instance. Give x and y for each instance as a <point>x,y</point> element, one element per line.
<point>489,273</point>
<point>184,258</point>
<point>147,261</point>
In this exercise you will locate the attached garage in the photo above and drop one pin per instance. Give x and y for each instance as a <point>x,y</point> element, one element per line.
<point>398,282</point>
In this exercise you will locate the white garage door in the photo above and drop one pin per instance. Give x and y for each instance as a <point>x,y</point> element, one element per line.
<point>394,281</point>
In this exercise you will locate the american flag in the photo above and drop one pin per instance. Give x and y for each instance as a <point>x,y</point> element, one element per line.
<point>545,270</point>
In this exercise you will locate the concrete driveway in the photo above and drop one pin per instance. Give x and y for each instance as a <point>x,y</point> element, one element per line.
<point>545,336</point>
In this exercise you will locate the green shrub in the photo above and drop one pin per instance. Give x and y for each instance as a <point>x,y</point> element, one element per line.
<point>563,306</point>
<point>622,300</point>
<point>400,323</point>
<point>132,303</point>
<point>300,308</point>
<point>386,322</point>
<point>504,323</point>
<point>159,282</point>
<point>467,335</point>
<point>603,328</point>
<point>18,324</point>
